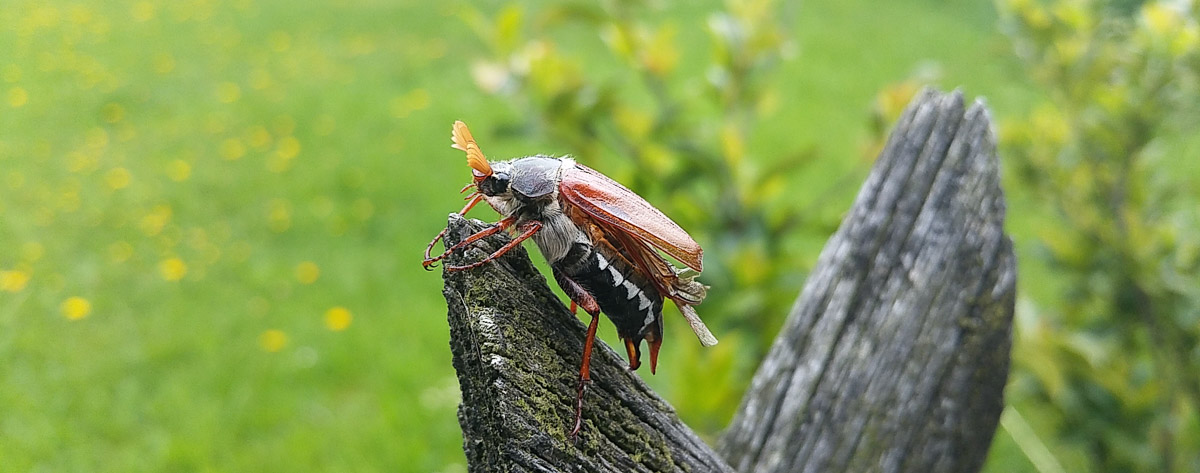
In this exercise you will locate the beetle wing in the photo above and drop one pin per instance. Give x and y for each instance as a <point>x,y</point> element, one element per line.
<point>626,212</point>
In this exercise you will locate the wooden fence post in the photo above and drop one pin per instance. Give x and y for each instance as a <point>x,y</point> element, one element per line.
<point>896,355</point>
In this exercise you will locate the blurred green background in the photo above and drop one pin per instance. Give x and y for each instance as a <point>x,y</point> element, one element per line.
<point>212,212</point>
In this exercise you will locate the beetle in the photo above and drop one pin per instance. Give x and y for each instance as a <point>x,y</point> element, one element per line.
<point>602,242</point>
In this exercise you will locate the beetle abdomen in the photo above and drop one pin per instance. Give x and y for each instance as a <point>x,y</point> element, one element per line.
<point>630,301</point>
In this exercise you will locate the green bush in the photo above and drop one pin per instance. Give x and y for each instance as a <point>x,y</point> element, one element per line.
<point>1114,353</point>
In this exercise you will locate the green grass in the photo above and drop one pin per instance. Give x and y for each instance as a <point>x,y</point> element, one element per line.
<point>174,163</point>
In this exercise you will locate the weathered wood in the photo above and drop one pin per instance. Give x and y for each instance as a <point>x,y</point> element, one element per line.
<point>896,355</point>
<point>517,351</point>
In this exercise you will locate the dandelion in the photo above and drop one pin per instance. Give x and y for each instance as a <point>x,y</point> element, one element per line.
<point>418,99</point>
<point>143,11</point>
<point>80,162</point>
<point>228,92</point>
<point>13,280</point>
<point>164,63</point>
<point>118,178</point>
<point>338,318</point>
<point>17,97</point>
<point>259,138</point>
<point>307,272</point>
<point>75,308</point>
<point>154,221</point>
<point>280,41</point>
<point>273,340</point>
<point>173,269</point>
<point>279,216</point>
<point>179,170</point>
<point>289,147</point>
<point>232,149</point>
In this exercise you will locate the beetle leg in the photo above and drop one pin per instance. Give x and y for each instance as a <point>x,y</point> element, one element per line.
<point>589,304</point>
<point>528,229</point>
<point>579,296</point>
<point>573,307</point>
<point>428,260</point>
<point>487,232</point>
<point>585,376</point>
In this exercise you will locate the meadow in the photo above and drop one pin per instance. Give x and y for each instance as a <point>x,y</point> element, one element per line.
<point>212,215</point>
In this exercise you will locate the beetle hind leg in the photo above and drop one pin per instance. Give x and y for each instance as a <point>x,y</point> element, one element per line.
<point>585,377</point>
<point>581,297</point>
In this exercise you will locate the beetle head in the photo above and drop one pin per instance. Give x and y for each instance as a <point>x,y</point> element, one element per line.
<point>497,182</point>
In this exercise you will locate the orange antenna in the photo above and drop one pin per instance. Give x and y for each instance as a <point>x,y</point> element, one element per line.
<point>464,141</point>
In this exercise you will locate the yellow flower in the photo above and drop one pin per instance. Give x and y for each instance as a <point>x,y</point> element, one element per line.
<point>143,11</point>
<point>173,269</point>
<point>164,63</point>
<point>17,97</point>
<point>307,272</point>
<point>259,137</point>
<point>75,308</point>
<point>402,106</point>
<point>152,224</point>
<point>14,280</point>
<point>288,148</point>
<point>179,170</point>
<point>118,178</point>
<point>272,340</point>
<point>228,92</point>
<point>232,149</point>
<point>280,41</point>
<point>279,216</point>
<point>338,318</point>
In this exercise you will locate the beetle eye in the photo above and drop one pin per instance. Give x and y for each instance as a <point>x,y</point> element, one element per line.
<point>495,184</point>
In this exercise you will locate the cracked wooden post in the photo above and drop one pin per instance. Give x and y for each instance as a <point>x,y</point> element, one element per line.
<point>517,351</point>
<point>896,355</point>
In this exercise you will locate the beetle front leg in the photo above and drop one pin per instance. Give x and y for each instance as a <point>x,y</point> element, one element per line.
<point>429,260</point>
<point>527,230</point>
<point>487,232</point>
